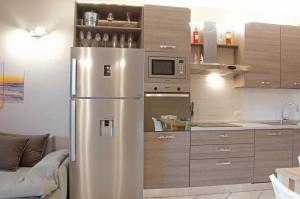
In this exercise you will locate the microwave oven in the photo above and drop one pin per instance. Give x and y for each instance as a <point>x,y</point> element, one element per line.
<point>166,67</point>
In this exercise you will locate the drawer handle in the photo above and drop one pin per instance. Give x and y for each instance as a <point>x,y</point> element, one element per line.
<point>166,137</point>
<point>274,134</point>
<point>296,83</point>
<point>167,46</point>
<point>224,135</point>
<point>223,163</point>
<point>265,83</point>
<point>223,150</point>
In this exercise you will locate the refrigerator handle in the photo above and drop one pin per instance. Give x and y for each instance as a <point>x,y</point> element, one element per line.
<point>73,131</point>
<point>74,77</point>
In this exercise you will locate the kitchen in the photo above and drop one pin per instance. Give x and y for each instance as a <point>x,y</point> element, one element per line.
<point>234,135</point>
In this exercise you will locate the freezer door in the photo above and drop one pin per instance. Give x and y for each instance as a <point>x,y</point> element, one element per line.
<point>107,72</point>
<point>108,146</point>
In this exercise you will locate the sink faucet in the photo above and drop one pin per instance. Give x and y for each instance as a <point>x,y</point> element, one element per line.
<point>282,118</point>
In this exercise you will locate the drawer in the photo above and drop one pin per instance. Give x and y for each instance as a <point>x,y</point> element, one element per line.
<point>157,141</point>
<point>222,137</point>
<point>222,151</point>
<point>221,171</point>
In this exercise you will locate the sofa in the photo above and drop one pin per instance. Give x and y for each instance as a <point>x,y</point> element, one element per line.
<point>24,181</point>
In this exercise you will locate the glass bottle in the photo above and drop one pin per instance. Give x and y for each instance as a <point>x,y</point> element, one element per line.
<point>195,35</point>
<point>228,37</point>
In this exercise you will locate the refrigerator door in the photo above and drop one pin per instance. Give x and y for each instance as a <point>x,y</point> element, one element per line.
<point>107,72</point>
<point>108,147</point>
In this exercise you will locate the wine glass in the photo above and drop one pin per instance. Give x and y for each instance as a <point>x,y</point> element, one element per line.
<point>105,39</point>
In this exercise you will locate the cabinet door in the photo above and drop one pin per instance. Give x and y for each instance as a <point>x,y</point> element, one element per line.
<point>166,28</point>
<point>273,149</point>
<point>290,59</point>
<point>262,52</point>
<point>166,160</point>
<point>296,148</point>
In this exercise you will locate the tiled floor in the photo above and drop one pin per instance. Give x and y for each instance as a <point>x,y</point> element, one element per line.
<point>266,194</point>
<point>243,191</point>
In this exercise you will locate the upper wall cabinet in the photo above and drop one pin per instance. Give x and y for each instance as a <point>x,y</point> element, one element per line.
<point>166,28</point>
<point>290,59</point>
<point>261,50</point>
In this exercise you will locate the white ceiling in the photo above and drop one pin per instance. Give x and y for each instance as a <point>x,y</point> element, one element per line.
<point>287,7</point>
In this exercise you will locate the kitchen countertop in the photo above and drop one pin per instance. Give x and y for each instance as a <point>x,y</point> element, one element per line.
<point>244,125</point>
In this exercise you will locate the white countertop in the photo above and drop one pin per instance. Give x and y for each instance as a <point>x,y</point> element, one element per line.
<point>246,126</point>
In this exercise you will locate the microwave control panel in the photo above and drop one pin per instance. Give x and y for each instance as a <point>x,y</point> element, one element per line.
<point>180,66</point>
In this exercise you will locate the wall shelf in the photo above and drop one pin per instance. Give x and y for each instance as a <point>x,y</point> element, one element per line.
<point>219,46</point>
<point>108,28</point>
<point>119,25</point>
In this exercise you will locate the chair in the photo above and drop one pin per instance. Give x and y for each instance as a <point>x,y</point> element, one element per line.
<point>282,192</point>
<point>157,125</point>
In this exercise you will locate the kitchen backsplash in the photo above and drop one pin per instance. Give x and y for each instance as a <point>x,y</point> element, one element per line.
<point>224,102</point>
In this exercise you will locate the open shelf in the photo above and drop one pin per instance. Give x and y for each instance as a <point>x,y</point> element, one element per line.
<point>119,25</point>
<point>219,46</point>
<point>108,28</point>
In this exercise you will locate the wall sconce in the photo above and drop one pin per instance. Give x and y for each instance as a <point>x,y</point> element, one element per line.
<point>38,32</point>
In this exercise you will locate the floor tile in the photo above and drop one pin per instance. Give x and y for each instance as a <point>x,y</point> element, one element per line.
<point>244,195</point>
<point>212,196</point>
<point>267,194</point>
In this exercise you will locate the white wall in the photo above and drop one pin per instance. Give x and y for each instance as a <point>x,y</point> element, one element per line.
<point>45,61</point>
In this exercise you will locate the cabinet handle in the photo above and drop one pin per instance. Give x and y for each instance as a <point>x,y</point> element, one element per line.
<point>166,137</point>
<point>274,134</point>
<point>265,83</point>
<point>223,163</point>
<point>224,136</point>
<point>167,46</point>
<point>296,83</point>
<point>223,150</point>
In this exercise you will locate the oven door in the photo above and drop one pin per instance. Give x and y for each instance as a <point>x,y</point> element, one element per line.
<point>162,67</point>
<point>167,112</point>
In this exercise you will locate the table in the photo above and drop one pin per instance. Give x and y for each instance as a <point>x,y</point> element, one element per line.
<point>290,177</point>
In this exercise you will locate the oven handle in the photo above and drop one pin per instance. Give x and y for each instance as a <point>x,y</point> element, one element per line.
<point>184,95</point>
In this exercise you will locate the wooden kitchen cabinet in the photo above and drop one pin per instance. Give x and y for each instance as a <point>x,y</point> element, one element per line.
<point>221,157</point>
<point>260,48</point>
<point>166,28</point>
<point>290,59</point>
<point>273,149</point>
<point>296,147</point>
<point>166,159</point>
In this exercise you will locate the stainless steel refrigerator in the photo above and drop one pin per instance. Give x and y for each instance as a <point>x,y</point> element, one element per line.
<point>106,123</point>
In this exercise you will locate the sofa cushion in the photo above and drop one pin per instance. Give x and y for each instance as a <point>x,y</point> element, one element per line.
<point>11,150</point>
<point>11,178</point>
<point>35,148</point>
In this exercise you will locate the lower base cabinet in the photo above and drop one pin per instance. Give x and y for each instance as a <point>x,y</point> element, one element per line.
<point>205,158</point>
<point>166,160</point>
<point>221,171</point>
<point>273,149</point>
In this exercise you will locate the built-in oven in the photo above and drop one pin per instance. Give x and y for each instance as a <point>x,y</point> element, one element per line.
<point>167,112</point>
<point>166,67</point>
